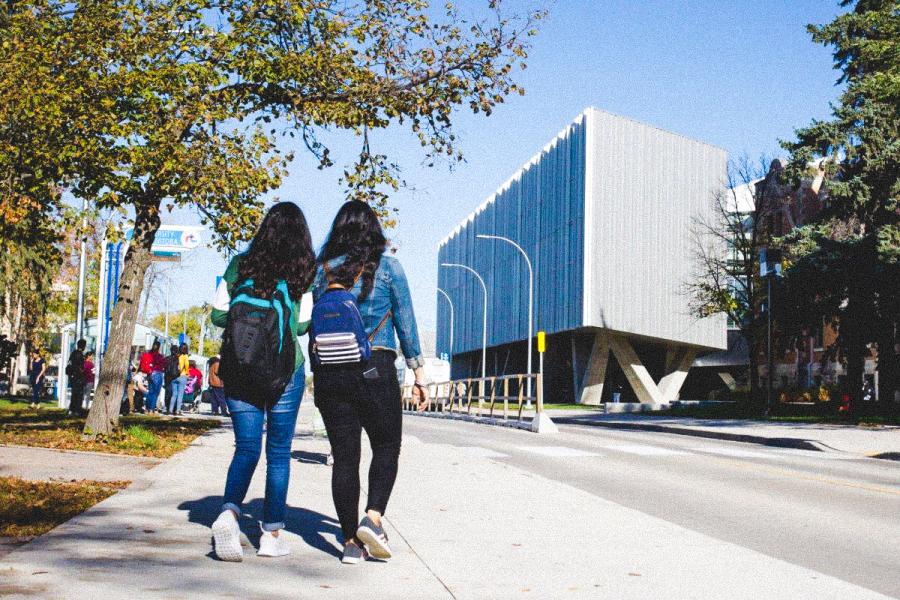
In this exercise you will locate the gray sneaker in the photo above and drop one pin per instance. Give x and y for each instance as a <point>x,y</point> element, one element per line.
<point>374,538</point>
<point>353,553</point>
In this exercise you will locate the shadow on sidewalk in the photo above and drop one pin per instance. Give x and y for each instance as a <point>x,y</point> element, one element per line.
<point>310,458</point>
<point>307,524</point>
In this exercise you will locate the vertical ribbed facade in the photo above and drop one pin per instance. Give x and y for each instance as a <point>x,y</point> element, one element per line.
<point>542,209</point>
<point>604,212</point>
<point>645,188</point>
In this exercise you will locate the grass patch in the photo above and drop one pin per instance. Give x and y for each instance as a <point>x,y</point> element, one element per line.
<point>749,412</point>
<point>30,508</point>
<point>16,403</point>
<point>559,406</point>
<point>139,435</point>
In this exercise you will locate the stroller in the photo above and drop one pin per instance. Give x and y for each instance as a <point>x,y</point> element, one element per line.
<point>192,396</point>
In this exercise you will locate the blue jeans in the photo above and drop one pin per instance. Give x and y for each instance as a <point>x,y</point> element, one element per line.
<point>176,388</point>
<point>248,428</point>
<point>154,386</point>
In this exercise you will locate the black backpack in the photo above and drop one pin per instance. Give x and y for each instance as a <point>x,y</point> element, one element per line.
<point>173,371</point>
<point>257,347</point>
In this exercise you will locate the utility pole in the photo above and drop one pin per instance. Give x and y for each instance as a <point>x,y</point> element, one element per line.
<point>79,314</point>
<point>168,285</point>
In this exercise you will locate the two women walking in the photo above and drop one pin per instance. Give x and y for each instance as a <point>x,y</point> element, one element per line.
<point>353,396</point>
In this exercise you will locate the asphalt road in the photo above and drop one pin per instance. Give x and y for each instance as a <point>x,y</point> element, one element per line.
<point>827,512</point>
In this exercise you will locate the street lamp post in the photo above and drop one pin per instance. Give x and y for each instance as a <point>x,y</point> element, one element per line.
<point>769,269</point>
<point>530,300</point>
<point>484,318</point>
<point>450,302</point>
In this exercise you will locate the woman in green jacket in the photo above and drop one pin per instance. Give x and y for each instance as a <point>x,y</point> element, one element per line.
<point>280,251</point>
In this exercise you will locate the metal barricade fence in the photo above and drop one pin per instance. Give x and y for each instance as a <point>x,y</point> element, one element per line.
<point>484,396</point>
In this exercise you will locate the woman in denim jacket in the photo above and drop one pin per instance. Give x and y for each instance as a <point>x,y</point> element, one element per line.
<point>354,399</point>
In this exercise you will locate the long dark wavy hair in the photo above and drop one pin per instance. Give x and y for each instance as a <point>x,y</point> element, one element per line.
<point>281,249</point>
<point>356,235</point>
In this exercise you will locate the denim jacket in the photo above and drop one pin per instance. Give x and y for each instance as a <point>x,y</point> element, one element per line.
<point>390,292</point>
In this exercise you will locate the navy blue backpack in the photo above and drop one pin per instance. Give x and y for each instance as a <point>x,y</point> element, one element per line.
<point>337,335</point>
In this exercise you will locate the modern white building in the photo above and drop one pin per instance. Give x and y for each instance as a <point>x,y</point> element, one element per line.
<point>604,213</point>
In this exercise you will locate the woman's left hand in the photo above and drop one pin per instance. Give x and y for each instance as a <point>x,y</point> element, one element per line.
<point>421,394</point>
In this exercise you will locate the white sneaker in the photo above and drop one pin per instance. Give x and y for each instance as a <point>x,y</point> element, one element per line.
<point>270,545</point>
<point>227,537</point>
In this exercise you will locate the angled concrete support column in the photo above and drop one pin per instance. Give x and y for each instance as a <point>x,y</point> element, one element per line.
<point>729,380</point>
<point>678,362</point>
<point>594,374</point>
<point>635,371</point>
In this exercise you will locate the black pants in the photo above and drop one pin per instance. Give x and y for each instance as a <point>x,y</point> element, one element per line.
<point>77,397</point>
<point>350,402</point>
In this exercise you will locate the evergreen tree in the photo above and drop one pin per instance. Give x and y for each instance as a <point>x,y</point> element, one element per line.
<point>842,267</point>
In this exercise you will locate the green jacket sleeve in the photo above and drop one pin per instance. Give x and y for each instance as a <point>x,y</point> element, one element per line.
<point>219,315</point>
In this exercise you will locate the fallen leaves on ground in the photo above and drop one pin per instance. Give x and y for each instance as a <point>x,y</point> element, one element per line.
<point>29,508</point>
<point>138,435</point>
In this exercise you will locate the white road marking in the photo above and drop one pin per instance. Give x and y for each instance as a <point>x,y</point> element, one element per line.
<point>643,450</point>
<point>482,452</point>
<point>557,451</point>
<point>734,452</point>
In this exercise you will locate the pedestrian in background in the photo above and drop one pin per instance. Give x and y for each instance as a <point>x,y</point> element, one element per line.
<point>178,384</point>
<point>172,372</point>
<point>139,382</point>
<point>153,364</point>
<point>216,389</point>
<point>37,368</point>
<point>280,262</point>
<point>366,395</point>
<point>88,378</point>
<point>193,385</point>
<point>75,373</point>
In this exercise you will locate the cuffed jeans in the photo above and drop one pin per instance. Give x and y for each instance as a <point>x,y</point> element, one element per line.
<point>248,419</point>
<point>154,386</point>
<point>177,386</point>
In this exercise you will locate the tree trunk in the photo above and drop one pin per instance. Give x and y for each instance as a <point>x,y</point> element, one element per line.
<point>753,368</point>
<point>888,370</point>
<point>104,414</point>
<point>856,367</point>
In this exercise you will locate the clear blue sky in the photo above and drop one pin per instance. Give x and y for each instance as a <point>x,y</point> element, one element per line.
<point>740,75</point>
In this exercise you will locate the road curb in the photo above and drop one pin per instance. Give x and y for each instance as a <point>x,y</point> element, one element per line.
<point>511,423</point>
<point>794,443</point>
<point>776,442</point>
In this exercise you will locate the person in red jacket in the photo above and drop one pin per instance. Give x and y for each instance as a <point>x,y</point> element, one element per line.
<point>153,364</point>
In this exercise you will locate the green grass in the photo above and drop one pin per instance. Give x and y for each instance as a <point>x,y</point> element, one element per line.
<point>561,406</point>
<point>22,403</point>
<point>142,436</point>
<point>746,411</point>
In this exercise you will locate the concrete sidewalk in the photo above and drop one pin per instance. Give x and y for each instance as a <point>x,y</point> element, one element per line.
<point>49,464</point>
<point>873,441</point>
<point>462,526</point>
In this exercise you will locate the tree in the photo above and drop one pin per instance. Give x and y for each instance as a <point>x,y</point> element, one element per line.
<point>843,265</point>
<point>195,322</point>
<point>186,98</point>
<point>725,247</point>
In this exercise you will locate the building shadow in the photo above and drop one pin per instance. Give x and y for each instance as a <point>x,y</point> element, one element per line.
<point>311,526</point>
